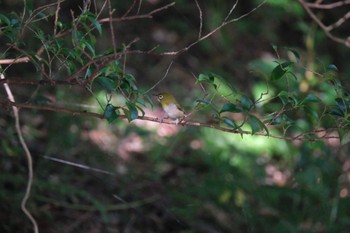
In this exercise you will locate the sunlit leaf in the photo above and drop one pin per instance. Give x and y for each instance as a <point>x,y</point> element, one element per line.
<point>295,54</point>
<point>203,78</point>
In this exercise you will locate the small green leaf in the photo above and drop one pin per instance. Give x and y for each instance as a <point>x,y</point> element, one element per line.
<point>331,72</point>
<point>280,70</point>
<point>229,122</point>
<point>96,24</point>
<point>106,83</point>
<point>341,104</point>
<point>311,98</point>
<point>247,103</point>
<point>133,112</point>
<point>110,113</point>
<point>283,95</point>
<point>141,110</point>
<point>313,113</point>
<point>256,125</point>
<point>203,78</point>
<point>336,112</point>
<point>229,107</point>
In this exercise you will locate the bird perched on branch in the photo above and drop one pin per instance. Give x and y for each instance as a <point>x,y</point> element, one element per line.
<point>170,106</point>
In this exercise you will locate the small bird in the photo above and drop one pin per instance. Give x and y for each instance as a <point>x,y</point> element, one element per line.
<point>170,106</point>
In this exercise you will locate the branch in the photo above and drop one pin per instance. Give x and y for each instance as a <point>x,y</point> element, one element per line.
<point>148,15</point>
<point>333,5</point>
<point>223,24</point>
<point>327,29</point>
<point>299,137</point>
<point>27,154</point>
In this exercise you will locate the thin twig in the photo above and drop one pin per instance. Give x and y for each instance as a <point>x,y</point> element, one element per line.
<point>318,5</point>
<point>322,26</point>
<point>160,80</point>
<point>173,53</point>
<point>27,154</point>
<point>200,19</point>
<point>143,16</point>
<point>58,7</point>
<point>111,28</point>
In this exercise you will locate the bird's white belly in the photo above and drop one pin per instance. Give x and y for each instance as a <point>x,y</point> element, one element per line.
<point>173,112</point>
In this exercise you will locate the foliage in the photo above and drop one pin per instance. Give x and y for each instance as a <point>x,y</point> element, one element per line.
<point>265,156</point>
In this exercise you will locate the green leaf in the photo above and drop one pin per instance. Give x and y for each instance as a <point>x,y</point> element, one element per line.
<point>313,113</point>
<point>311,98</point>
<point>247,103</point>
<point>283,95</point>
<point>336,112</point>
<point>106,83</point>
<point>223,87</point>
<point>280,70</point>
<point>4,19</point>
<point>203,78</point>
<point>110,113</point>
<point>132,111</point>
<point>256,125</point>
<point>141,110</point>
<point>229,122</point>
<point>229,107</point>
<point>331,72</point>
<point>96,24</point>
<point>341,104</point>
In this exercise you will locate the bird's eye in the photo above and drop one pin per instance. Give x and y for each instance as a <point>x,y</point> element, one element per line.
<point>160,97</point>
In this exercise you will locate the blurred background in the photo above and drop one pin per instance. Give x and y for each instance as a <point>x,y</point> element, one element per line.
<point>155,177</point>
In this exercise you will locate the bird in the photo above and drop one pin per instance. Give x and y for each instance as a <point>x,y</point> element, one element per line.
<point>170,106</point>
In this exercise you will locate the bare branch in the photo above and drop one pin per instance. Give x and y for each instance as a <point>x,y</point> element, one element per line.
<point>27,154</point>
<point>327,29</point>
<point>133,17</point>
<point>318,5</point>
<point>200,20</point>
<point>58,7</point>
<point>213,31</point>
<point>159,81</point>
<point>110,12</point>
